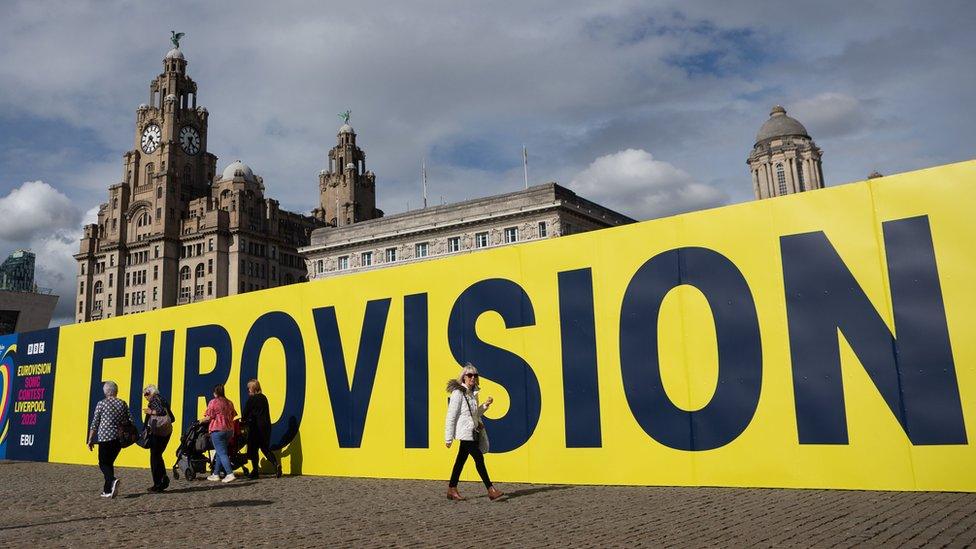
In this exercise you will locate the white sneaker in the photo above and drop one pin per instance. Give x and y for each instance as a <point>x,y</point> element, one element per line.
<point>229,478</point>
<point>115,488</point>
<point>105,495</point>
<point>213,477</point>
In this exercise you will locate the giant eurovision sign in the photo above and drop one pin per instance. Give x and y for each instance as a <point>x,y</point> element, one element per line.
<point>817,340</point>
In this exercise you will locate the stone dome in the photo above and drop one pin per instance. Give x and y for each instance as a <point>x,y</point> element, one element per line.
<point>346,128</point>
<point>238,169</point>
<point>174,53</point>
<point>143,106</point>
<point>779,125</point>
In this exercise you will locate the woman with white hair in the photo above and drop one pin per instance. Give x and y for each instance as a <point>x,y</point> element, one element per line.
<point>464,423</point>
<point>111,416</point>
<point>160,422</point>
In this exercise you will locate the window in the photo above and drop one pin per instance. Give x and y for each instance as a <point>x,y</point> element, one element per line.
<point>155,293</point>
<point>159,191</point>
<point>210,287</point>
<point>81,287</point>
<point>781,179</point>
<point>511,235</point>
<point>366,259</point>
<point>156,252</point>
<point>81,307</point>
<point>199,272</point>
<point>343,263</point>
<point>126,280</point>
<point>454,244</point>
<point>319,266</point>
<point>420,250</point>
<point>542,229</point>
<point>210,245</point>
<point>126,300</point>
<point>481,240</point>
<point>799,174</point>
<point>185,273</point>
<point>155,272</point>
<point>185,292</point>
<point>210,266</point>
<point>109,300</point>
<point>390,255</point>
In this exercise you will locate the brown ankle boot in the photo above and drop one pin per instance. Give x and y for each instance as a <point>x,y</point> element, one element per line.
<point>452,493</point>
<point>494,493</point>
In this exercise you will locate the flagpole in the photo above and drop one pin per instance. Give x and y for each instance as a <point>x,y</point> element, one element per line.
<point>525,165</point>
<point>423,172</point>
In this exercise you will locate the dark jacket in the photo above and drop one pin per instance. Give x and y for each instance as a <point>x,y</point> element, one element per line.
<point>257,417</point>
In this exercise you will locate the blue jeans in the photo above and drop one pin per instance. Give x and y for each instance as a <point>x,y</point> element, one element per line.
<point>220,441</point>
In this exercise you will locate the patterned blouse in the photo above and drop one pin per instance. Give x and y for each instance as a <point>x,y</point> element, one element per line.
<point>110,414</point>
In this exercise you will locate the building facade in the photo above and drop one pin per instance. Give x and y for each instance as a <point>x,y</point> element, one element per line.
<point>784,160</point>
<point>542,211</point>
<point>347,190</point>
<point>173,230</point>
<point>17,272</point>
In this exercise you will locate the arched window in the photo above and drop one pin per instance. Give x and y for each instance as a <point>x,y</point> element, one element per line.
<point>781,179</point>
<point>98,287</point>
<point>199,272</point>
<point>159,192</point>
<point>799,175</point>
<point>149,173</point>
<point>185,273</point>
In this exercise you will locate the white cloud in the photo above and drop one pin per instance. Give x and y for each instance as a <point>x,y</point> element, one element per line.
<point>35,208</point>
<point>42,219</point>
<point>633,182</point>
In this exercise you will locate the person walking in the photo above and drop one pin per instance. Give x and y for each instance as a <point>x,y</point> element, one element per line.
<point>257,418</point>
<point>110,417</point>
<point>220,414</point>
<point>161,424</point>
<point>464,423</point>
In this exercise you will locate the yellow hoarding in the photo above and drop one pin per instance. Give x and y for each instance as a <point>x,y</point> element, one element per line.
<point>818,340</point>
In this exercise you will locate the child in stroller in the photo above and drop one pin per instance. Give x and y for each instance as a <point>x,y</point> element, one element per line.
<point>194,453</point>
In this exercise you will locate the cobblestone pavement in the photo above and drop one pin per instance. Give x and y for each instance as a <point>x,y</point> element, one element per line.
<point>58,505</point>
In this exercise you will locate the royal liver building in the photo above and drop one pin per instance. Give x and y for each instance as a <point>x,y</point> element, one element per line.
<point>175,230</point>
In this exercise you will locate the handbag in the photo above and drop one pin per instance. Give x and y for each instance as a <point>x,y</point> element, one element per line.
<point>145,437</point>
<point>128,433</point>
<point>478,427</point>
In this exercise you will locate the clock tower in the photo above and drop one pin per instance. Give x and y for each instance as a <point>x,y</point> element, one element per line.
<point>169,165</point>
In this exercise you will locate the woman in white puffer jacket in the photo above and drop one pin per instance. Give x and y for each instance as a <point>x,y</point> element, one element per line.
<point>464,423</point>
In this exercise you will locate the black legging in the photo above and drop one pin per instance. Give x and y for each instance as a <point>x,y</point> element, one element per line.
<point>256,442</point>
<point>156,447</point>
<point>107,452</point>
<point>469,447</point>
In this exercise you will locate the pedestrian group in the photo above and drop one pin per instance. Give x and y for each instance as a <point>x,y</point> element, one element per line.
<point>112,428</point>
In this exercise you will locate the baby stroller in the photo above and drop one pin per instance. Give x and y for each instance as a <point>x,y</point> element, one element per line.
<point>194,453</point>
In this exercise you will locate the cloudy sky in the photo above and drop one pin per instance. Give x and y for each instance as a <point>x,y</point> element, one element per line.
<point>648,107</point>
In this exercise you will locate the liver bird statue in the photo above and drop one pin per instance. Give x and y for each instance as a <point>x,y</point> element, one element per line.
<point>175,38</point>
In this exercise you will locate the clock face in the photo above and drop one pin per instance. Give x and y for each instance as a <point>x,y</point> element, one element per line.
<point>151,137</point>
<point>190,140</point>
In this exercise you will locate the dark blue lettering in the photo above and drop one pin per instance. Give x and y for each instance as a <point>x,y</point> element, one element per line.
<point>101,351</point>
<point>914,373</point>
<point>281,326</point>
<point>195,384</point>
<point>736,395</point>
<point>415,371</point>
<point>577,331</point>
<point>350,403</point>
<point>510,301</point>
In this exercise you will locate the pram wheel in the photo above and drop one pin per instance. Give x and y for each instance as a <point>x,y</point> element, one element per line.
<point>176,472</point>
<point>190,473</point>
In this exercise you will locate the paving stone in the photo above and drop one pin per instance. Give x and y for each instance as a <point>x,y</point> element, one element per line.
<point>58,506</point>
